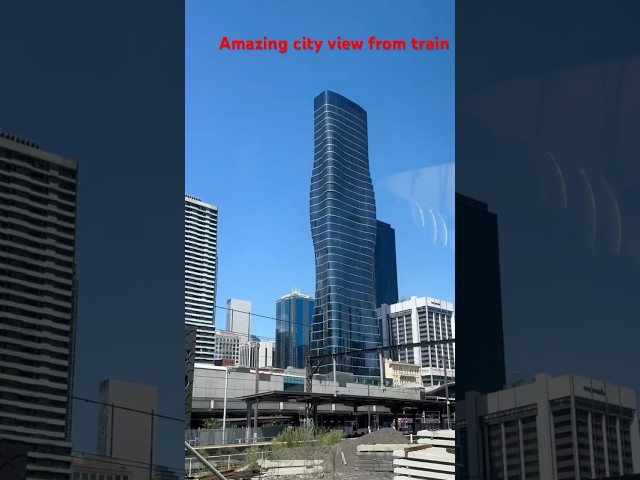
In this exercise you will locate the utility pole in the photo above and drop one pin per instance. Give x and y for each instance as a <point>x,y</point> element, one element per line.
<point>256,356</point>
<point>446,394</point>
<point>381,362</point>
<point>152,442</point>
<point>113,412</point>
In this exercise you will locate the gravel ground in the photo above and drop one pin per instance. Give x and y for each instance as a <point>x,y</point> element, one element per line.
<point>349,447</point>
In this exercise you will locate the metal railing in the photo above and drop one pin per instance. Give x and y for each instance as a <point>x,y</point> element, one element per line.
<point>193,466</point>
<point>437,425</point>
<point>233,435</point>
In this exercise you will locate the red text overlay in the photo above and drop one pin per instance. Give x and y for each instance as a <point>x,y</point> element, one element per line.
<point>314,45</point>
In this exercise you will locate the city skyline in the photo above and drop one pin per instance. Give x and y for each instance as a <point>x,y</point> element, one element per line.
<point>548,141</point>
<point>260,181</point>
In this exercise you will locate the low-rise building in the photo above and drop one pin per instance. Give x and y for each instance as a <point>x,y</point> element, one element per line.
<point>402,374</point>
<point>265,354</point>
<point>567,427</point>
<point>98,466</point>
<point>227,348</point>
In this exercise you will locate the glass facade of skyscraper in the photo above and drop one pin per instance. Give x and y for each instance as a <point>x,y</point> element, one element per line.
<point>343,228</point>
<point>293,328</point>
<point>386,266</point>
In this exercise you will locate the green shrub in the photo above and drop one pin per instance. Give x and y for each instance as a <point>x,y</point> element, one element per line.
<point>332,437</point>
<point>255,454</point>
<point>211,424</point>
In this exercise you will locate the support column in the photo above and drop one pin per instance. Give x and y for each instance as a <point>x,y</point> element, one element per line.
<point>335,378</point>
<point>308,380</point>
<point>413,419</point>
<point>248,423</point>
<point>307,413</point>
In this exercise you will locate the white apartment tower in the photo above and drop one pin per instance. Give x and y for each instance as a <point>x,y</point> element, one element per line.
<point>417,320</point>
<point>201,272</point>
<point>37,307</point>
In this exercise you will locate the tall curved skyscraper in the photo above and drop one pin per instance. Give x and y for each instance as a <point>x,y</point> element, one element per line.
<point>343,228</point>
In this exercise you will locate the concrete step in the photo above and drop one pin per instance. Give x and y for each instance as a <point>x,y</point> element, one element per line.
<point>440,463</point>
<point>381,447</point>
<point>423,475</point>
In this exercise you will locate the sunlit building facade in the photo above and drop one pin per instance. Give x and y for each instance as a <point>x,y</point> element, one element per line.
<point>201,270</point>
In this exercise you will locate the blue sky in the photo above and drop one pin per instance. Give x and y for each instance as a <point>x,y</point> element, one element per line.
<point>249,137</point>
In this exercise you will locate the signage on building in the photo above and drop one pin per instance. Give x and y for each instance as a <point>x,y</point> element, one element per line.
<point>597,391</point>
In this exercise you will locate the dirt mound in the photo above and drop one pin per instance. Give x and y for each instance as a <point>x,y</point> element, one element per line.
<point>384,435</point>
<point>349,447</point>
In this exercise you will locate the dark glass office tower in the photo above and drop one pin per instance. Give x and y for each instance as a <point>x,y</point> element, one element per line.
<point>386,270</point>
<point>343,228</point>
<point>293,329</point>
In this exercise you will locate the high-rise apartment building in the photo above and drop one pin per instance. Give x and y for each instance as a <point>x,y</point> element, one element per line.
<point>293,329</point>
<point>201,273</point>
<point>478,299</point>
<point>421,320</point>
<point>239,318</point>
<point>343,228</point>
<point>559,428</point>
<point>37,306</point>
<point>386,269</point>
